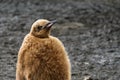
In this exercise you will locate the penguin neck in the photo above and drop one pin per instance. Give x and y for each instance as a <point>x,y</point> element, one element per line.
<point>40,36</point>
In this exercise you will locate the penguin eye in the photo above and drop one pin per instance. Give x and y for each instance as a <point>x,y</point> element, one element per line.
<point>38,28</point>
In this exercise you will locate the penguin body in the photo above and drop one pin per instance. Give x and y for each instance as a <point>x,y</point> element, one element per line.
<point>42,56</point>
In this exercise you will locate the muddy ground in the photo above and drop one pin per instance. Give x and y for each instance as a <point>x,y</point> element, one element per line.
<point>89,29</point>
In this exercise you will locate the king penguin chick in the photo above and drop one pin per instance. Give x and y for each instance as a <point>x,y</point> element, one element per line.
<point>42,56</point>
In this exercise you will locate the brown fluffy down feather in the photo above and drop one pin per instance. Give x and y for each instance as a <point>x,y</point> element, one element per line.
<point>42,58</point>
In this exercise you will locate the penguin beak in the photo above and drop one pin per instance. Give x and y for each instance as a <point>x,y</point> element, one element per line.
<point>50,24</point>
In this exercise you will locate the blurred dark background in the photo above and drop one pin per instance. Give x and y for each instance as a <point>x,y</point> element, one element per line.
<point>89,29</point>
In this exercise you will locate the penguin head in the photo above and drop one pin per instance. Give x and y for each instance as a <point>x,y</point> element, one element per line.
<point>41,28</point>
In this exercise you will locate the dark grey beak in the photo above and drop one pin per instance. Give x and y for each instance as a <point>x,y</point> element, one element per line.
<point>50,24</point>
